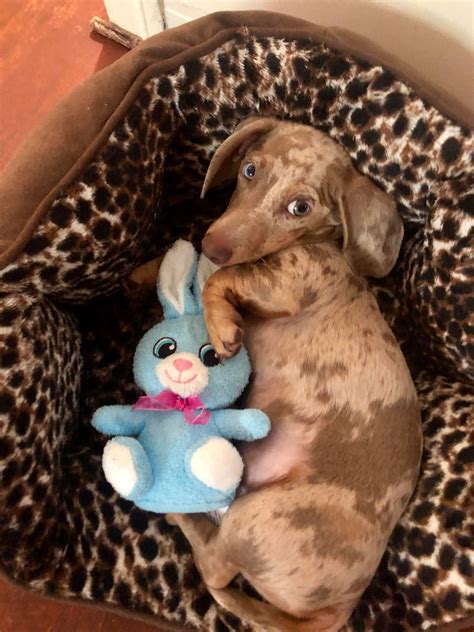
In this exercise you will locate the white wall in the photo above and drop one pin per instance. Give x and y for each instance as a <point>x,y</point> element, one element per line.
<point>434,37</point>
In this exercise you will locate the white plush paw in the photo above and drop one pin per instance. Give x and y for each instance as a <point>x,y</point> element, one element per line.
<point>217,464</point>
<point>118,467</point>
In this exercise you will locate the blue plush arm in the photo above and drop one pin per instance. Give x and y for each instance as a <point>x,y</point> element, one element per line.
<point>119,420</point>
<point>246,425</point>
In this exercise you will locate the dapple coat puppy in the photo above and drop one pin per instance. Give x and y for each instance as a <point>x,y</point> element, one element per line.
<point>326,487</point>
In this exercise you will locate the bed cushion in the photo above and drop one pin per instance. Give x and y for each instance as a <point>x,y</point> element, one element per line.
<point>109,180</point>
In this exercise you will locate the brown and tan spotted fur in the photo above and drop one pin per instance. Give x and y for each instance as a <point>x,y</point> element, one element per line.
<point>325,489</point>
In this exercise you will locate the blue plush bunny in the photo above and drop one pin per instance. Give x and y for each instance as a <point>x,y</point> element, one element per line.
<point>181,459</point>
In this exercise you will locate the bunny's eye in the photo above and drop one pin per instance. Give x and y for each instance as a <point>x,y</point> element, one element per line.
<point>208,355</point>
<point>164,348</point>
<point>249,170</point>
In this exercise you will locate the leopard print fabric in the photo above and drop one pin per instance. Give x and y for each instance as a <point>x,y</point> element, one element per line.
<point>66,331</point>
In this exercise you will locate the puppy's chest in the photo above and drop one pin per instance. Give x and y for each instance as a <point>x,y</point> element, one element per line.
<point>280,351</point>
<point>271,459</point>
<point>272,349</point>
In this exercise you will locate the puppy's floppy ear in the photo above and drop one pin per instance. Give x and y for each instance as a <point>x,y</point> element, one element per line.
<point>225,162</point>
<point>372,228</point>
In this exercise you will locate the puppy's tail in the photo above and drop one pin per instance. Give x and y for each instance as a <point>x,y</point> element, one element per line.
<point>271,618</point>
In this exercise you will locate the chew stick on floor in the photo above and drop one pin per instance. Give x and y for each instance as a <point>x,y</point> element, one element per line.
<point>114,32</point>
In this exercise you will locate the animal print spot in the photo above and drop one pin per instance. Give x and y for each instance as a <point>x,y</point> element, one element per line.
<point>392,170</point>
<point>273,64</point>
<point>201,604</point>
<point>210,77</point>
<point>36,244</point>
<point>220,626</point>
<point>400,125</point>
<point>404,568</point>
<point>327,94</point>
<point>451,599</point>
<point>427,575</point>
<point>138,521</point>
<point>224,64</point>
<point>450,150</point>
<point>14,275</point>
<point>78,580</point>
<point>423,510</point>
<point>420,543</point>
<point>193,70</point>
<point>414,594</point>
<point>348,141</point>
<point>453,518</point>
<point>8,316</point>
<point>170,574</point>
<point>191,578</point>
<point>84,211</point>
<point>7,402</point>
<point>370,137</point>
<point>6,447</point>
<point>91,175</point>
<point>360,117</point>
<point>114,535</point>
<point>465,566</point>
<point>394,102</point>
<point>123,594</point>
<point>134,117</point>
<point>68,243</point>
<point>432,610</point>
<point>383,81</point>
<point>301,70</point>
<point>466,455</point>
<point>466,204</point>
<point>60,215</point>
<point>107,555</point>
<point>420,129</point>
<point>415,619</point>
<point>337,66</point>
<point>356,89</point>
<point>148,548</point>
<point>101,229</point>
<point>446,557</point>
<point>85,497</point>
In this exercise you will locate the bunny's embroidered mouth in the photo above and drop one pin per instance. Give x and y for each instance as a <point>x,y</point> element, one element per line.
<point>180,381</point>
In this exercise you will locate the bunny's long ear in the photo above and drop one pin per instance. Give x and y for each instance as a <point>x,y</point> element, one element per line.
<point>204,270</point>
<point>175,278</point>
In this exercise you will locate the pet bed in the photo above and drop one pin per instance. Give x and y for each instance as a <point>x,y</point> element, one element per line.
<point>110,179</point>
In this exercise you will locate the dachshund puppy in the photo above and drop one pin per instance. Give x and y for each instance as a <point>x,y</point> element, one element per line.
<point>325,489</point>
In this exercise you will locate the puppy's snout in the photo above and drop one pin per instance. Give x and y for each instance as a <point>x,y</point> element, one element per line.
<point>216,249</point>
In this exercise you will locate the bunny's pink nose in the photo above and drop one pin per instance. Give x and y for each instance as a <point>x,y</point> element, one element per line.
<point>182,365</point>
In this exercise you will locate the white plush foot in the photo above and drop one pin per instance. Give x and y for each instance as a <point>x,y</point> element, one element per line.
<point>118,468</point>
<point>217,464</point>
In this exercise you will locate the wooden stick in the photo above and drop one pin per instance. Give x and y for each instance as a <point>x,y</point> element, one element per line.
<point>114,32</point>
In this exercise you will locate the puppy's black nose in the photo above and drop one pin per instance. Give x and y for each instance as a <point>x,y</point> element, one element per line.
<point>215,249</point>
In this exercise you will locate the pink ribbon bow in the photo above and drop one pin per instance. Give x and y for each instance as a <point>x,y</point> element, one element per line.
<point>192,408</point>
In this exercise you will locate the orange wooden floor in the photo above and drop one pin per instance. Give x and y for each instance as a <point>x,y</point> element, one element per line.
<point>22,611</point>
<point>46,50</point>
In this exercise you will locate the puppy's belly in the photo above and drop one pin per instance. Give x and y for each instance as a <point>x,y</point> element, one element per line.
<point>270,459</point>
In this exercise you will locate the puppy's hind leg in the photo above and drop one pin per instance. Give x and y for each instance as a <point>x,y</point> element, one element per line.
<point>268,617</point>
<point>208,548</point>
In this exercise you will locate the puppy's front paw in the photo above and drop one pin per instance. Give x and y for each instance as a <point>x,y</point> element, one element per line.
<point>226,338</point>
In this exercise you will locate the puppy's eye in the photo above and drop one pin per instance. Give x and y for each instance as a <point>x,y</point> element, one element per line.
<point>164,348</point>
<point>208,355</point>
<point>249,170</point>
<point>299,208</point>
